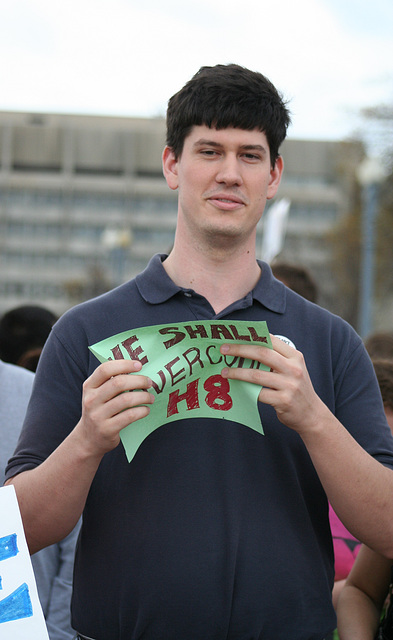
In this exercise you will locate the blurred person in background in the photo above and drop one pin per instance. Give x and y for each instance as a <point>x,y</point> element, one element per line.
<point>380,345</point>
<point>23,333</point>
<point>53,566</point>
<point>298,278</point>
<point>365,591</point>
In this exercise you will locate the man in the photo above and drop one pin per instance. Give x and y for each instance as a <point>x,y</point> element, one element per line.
<point>213,530</point>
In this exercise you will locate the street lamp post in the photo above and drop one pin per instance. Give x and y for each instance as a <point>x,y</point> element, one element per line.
<point>370,175</point>
<point>117,241</point>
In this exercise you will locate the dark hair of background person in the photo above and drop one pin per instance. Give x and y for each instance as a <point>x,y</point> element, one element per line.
<point>227,96</point>
<point>23,333</point>
<point>380,345</point>
<point>384,372</point>
<point>298,278</point>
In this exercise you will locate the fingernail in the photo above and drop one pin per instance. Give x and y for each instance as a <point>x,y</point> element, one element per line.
<point>224,348</point>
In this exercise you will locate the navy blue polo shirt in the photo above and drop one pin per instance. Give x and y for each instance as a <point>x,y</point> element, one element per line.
<point>213,531</point>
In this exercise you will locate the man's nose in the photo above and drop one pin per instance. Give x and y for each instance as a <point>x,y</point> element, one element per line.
<point>229,171</point>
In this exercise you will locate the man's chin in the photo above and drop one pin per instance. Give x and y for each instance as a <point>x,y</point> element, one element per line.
<point>224,235</point>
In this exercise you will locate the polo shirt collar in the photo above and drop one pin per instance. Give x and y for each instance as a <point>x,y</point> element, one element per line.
<point>270,292</point>
<point>155,286</point>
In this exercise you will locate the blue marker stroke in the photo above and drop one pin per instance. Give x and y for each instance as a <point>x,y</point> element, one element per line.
<point>8,547</point>
<point>17,605</point>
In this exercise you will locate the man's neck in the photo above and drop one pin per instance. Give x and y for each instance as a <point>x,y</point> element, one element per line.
<point>221,278</point>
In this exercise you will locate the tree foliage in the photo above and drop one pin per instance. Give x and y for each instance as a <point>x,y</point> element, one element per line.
<point>346,237</point>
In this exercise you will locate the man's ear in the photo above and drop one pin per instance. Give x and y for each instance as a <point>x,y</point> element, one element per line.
<point>169,168</point>
<point>275,177</point>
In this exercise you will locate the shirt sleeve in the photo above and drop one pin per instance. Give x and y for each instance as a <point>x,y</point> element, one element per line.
<point>55,404</point>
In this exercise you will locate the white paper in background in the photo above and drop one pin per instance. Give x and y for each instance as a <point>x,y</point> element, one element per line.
<point>274,223</point>
<point>21,616</point>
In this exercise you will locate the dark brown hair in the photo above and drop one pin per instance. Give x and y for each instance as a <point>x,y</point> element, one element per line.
<point>228,96</point>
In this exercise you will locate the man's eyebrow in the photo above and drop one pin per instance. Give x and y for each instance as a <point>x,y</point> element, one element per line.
<point>253,147</point>
<point>203,141</point>
<point>244,147</point>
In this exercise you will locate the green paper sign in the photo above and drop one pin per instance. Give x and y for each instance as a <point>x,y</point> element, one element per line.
<point>184,362</point>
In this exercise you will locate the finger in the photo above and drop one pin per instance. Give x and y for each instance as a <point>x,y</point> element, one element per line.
<point>132,415</point>
<point>112,368</point>
<point>281,358</point>
<point>259,377</point>
<point>95,397</point>
<point>104,433</point>
<point>119,384</point>
<point>259,353</point>
<point>282,347</point>
<point>126,401</point>
<point>121,412</point>
<point>108,418</point>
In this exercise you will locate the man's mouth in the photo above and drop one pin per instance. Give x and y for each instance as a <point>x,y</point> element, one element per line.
<point>227,202</point>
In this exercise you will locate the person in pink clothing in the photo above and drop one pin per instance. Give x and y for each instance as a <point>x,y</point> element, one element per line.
<point>365,591</point>
<point>346,548</point>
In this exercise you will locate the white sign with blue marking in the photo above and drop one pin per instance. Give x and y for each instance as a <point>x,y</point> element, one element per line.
<point>21,615</point>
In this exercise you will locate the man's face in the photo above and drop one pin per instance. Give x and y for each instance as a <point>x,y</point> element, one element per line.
<point>224,178</point>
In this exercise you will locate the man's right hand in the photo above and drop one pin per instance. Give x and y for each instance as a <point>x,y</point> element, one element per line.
<point>107,407</point>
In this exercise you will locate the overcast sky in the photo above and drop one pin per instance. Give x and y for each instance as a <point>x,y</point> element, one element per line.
<point>122,57</point>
